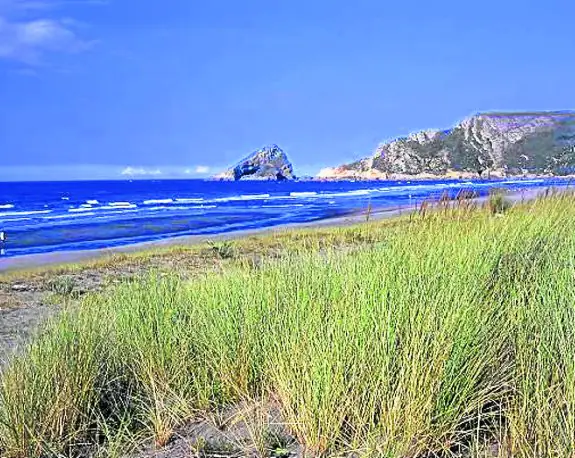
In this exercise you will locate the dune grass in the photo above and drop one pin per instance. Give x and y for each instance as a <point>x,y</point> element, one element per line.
<point>450,335</point>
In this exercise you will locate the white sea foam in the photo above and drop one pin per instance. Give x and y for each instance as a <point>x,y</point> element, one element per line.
<point>86,205</point>
<point>65,198</point>
<point>6,206</point>
<point>92,202</point>
<point>180,207</point>
<point>164,207</point>
<point>71,216</point>
<point>11,220</point>
<point>268,197</point>
<point>315,195</point>
<point>117,208</point>
<point>34,212</point>
<point>283,206</point>
<point>241,198</point>
<point>122,204</point>
<point>357,192</point>
<point>254,196</point>
<point>79,210</point>
<point>190,200</point>
<point>158,201</point>
<point>303,194</point>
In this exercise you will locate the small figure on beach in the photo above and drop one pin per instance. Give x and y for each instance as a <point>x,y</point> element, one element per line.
<point>3,239</point>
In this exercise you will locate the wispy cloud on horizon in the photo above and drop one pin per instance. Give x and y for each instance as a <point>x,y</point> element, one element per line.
<point>166,171</point>
<point>140,171</point>
<point>99,172</point>
<point>202,169</point>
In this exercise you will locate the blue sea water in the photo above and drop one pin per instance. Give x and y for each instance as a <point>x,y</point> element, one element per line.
<point>43,217</point>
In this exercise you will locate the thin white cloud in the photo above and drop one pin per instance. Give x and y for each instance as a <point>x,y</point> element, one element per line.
<point>27,37</point>
<point>96,172</point>
<point>197,170</point>
<point>28,41</point>
<point>140,171</point>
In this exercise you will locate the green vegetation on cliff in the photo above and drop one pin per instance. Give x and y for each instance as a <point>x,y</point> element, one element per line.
<point>501,143</point>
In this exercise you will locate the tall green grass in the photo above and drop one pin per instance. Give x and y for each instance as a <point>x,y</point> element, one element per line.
<point>453,334</point>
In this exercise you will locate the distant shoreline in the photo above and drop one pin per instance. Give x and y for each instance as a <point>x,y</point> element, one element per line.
<point>70,257</point>
<point>450,175</point>
<point>423,177</point>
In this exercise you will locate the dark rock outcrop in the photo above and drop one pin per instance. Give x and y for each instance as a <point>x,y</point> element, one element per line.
<point>268,163</point>
<point>538,143</point>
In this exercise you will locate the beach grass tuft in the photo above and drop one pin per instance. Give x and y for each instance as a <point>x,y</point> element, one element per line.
<point>497,202</point>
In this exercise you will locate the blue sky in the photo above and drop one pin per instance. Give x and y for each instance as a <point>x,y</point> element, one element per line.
<point>182,88</point>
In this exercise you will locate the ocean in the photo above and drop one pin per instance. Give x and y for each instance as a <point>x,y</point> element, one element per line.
<point>44,217</point>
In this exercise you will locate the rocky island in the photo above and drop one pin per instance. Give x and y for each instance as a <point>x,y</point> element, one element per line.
<point>487,144</point>
<point>268,163</point>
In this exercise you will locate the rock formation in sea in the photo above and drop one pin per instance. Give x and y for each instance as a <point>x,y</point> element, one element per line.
<point>268,163</point>
<point>487,144</point>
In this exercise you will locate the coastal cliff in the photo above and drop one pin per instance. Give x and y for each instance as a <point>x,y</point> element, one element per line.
<point>488,144</point>
<point>268,163</point>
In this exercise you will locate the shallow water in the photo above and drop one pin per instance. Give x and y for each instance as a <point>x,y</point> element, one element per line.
<point>46,217</point>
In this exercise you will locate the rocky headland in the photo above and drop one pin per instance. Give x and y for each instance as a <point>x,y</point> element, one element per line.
<point>268,163</point>
<point>483,145</point>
